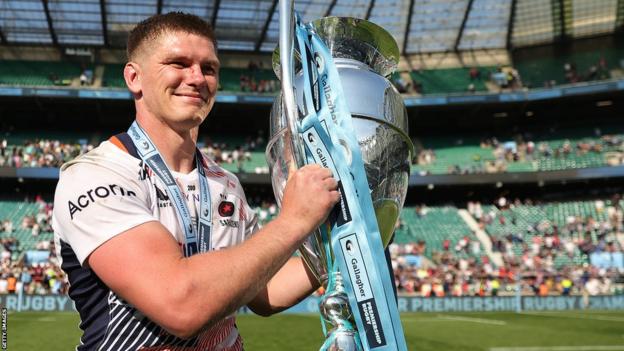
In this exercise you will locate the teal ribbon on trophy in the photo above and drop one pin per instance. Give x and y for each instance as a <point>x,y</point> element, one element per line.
<point>327,132</point>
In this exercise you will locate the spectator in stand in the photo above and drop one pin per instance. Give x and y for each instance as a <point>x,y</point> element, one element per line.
<point>474,73</point>
<point>592,287</point>
<point>222,153</point>
<point>566,286</point>
<point>523,148</point>
<point>53,153</point>
<point>494,286</point>
<point>11,284</point>
<point>83,78</point>
<point>41,153</point>
<point>570,73</point>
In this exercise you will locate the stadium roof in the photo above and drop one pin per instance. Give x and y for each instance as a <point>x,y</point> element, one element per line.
<point>419,26</point>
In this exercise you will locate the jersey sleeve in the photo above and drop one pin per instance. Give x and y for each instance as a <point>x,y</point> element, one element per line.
<point>94,203</point>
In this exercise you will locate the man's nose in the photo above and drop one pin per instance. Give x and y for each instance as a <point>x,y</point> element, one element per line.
<point>196,75</point>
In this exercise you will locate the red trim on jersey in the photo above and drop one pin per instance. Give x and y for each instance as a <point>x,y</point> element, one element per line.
<point>214,172</point>
<point>242,213</point>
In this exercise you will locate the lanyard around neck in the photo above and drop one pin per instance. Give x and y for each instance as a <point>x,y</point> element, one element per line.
<point>193,242</point>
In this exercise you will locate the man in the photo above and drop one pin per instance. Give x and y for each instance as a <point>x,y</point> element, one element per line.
<point>127,226</point>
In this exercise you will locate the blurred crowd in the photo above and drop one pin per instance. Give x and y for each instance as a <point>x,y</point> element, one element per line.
<point>35,274</point>
<point>250,83</point>
<point>224,153</point>
<point>541,259</point>
<point>507,78</point>
<point>266,210</point>
<point>35,223</point>
<point>524,147</point>
<point>40,153</point>
<point>450,275</point>
<point>539,243</point>
<point>597,71</point>
<point>461,267</point>
<point>34,279</point>
<point>53,153</point>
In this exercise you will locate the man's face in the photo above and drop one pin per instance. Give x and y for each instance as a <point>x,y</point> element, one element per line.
<point>179,74</point>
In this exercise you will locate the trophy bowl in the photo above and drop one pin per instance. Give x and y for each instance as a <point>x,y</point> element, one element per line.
<point>364,55</point>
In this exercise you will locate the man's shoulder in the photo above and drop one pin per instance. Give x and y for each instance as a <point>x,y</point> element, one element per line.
<point>105,156</point>
<point>104,167</point>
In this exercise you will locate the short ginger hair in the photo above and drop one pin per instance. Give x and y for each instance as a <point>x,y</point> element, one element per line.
<point>153,27</point>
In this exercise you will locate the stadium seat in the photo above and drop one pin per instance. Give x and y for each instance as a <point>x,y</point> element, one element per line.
<point>433,227</point>
<point>113,76</point>
<point>450,80</point>
<point>15,211</point>
<point>464,154</point>
<point>38,73</point>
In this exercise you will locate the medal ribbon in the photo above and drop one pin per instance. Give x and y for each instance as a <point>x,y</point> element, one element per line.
<point>193,242</point>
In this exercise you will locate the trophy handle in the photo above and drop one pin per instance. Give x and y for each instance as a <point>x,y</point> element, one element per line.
<point>287,64</point>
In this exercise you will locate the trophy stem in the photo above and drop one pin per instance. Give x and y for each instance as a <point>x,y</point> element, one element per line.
<point>335,310</point>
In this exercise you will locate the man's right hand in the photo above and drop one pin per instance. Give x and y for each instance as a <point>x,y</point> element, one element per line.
<point>310,193</point>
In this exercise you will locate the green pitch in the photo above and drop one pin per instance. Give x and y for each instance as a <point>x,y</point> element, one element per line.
<point>544,331</point>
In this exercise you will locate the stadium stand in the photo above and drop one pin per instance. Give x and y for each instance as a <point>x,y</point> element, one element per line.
<point>451,80</point>
<point>236,154</point>
<point>442,229</point>
<point>38,73</point>
<point>251,79</point>
<point>28,222</point>
<point>554,150</point>
<point>546,151</point>
<point>230,79</point>
<point>567,68</point>
<point>40,153</point>
<point>113,76</point>
<point>27,248</point>
<point>435,252</point>
<point>527,71</point>
<point>438,227</point>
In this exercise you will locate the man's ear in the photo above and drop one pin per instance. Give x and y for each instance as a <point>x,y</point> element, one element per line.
<point>132,73</point>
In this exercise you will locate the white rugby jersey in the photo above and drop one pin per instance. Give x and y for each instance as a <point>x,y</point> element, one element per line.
<point>108,191</point>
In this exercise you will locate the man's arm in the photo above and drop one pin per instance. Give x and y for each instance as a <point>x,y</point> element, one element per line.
<point>203,289</point>
<point>292,283</point>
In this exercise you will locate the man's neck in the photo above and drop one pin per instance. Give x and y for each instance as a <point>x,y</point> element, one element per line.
<point>176,148</point>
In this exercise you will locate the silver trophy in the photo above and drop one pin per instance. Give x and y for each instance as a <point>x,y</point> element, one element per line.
<point>364,55</point>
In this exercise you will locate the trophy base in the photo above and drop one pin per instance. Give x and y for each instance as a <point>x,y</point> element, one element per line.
<point>342,339</point>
